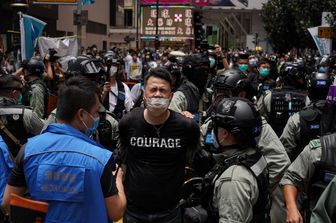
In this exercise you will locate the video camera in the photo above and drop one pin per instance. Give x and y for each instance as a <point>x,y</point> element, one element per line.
<point>52,52</point>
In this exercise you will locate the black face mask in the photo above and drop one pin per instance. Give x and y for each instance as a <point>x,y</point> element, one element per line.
<point>199,78</point>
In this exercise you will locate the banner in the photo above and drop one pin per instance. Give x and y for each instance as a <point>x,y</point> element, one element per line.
<point>64,46</point>
<point>323,44</point>
<point>30,28</point>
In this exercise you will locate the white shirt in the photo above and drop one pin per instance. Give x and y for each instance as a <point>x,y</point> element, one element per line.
<point>113,97</point>
<point>136,92</point>
<point>134,70</point>
<point>127,60</point>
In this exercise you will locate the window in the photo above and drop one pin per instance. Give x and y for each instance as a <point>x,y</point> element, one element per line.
<point>96,28</point>
<point>128,17</point>
<point>113,12</point>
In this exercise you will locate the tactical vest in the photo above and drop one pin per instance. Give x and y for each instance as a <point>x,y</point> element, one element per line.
<point>310,126</point>
<point>191,97</point>
<point>315,120</point>
<point>28,93</point>
<point>257,165</point>
<point>263,87</point>
<point>63,167</point>
<point>284,103</point>
<point>121,97</point>
<point>105,132</point>
<point>12,117</point>
<point>325,171</point>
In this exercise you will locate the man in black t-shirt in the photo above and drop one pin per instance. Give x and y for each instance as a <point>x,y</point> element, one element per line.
<point>156,145</point>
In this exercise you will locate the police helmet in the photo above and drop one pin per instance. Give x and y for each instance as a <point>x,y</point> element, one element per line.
<point>195,68</point>
<point>239,117</point>
<point>293,74</point>
<point>35,66</point>
<point>228,79</point>
<point>318,85</point>
<point>85,66</point>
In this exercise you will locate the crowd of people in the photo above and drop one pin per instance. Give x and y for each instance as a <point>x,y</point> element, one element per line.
<point>169,136</point>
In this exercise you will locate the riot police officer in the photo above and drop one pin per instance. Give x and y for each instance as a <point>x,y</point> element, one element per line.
<point>240,192</point>
<point>280,103</point>
<point>18,122</point>
<point>233,83</point>
<point>227,83</point>
<point>313,120</point>
<point>35,94</point>
<point>307,177</point>
<point>195,69</point>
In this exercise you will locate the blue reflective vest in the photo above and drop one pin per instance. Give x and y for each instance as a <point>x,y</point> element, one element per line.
<point>6,165</point>
<point>63,167</point>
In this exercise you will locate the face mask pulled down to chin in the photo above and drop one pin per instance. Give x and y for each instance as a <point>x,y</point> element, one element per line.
<point>157,106</point>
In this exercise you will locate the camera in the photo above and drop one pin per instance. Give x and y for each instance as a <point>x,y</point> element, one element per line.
<point>52,52</point>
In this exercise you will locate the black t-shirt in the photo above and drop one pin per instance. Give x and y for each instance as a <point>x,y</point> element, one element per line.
<point>107,180</point>
<point>155,157</point>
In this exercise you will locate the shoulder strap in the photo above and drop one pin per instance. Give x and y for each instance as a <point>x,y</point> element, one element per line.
<point>9,134</point>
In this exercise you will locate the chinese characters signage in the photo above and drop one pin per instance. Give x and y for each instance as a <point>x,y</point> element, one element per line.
<point>55,1</point>
<point>168,2</point>
<point>173,22</point>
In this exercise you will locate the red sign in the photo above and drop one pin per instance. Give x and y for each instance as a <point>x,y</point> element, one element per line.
<point>201,2</point>
<point>165,2</point>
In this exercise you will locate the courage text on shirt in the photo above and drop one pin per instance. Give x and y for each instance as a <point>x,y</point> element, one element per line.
<point>155,142</point>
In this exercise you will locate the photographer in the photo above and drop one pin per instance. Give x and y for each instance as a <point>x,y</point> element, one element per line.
<point>54,71</point>
<point>116,95</point>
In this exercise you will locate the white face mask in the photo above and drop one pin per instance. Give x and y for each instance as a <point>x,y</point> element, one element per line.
<point>157,106</point>
<point>113,71</point>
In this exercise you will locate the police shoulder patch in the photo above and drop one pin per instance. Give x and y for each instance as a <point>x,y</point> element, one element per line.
<point>315,143</point>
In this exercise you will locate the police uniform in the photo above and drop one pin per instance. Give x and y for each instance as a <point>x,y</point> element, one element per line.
<point>302,127</point>
<point>236,190</point>
<point>307,173</point>
<point>270,146</point>
<point>325,208</point>
<point>186,98</point>
<point>291,134</point>
<point>277,163</point>
<point>22,122</point>
<point>264,103</point>
<point>36,97</point>
<point>264,106</point>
